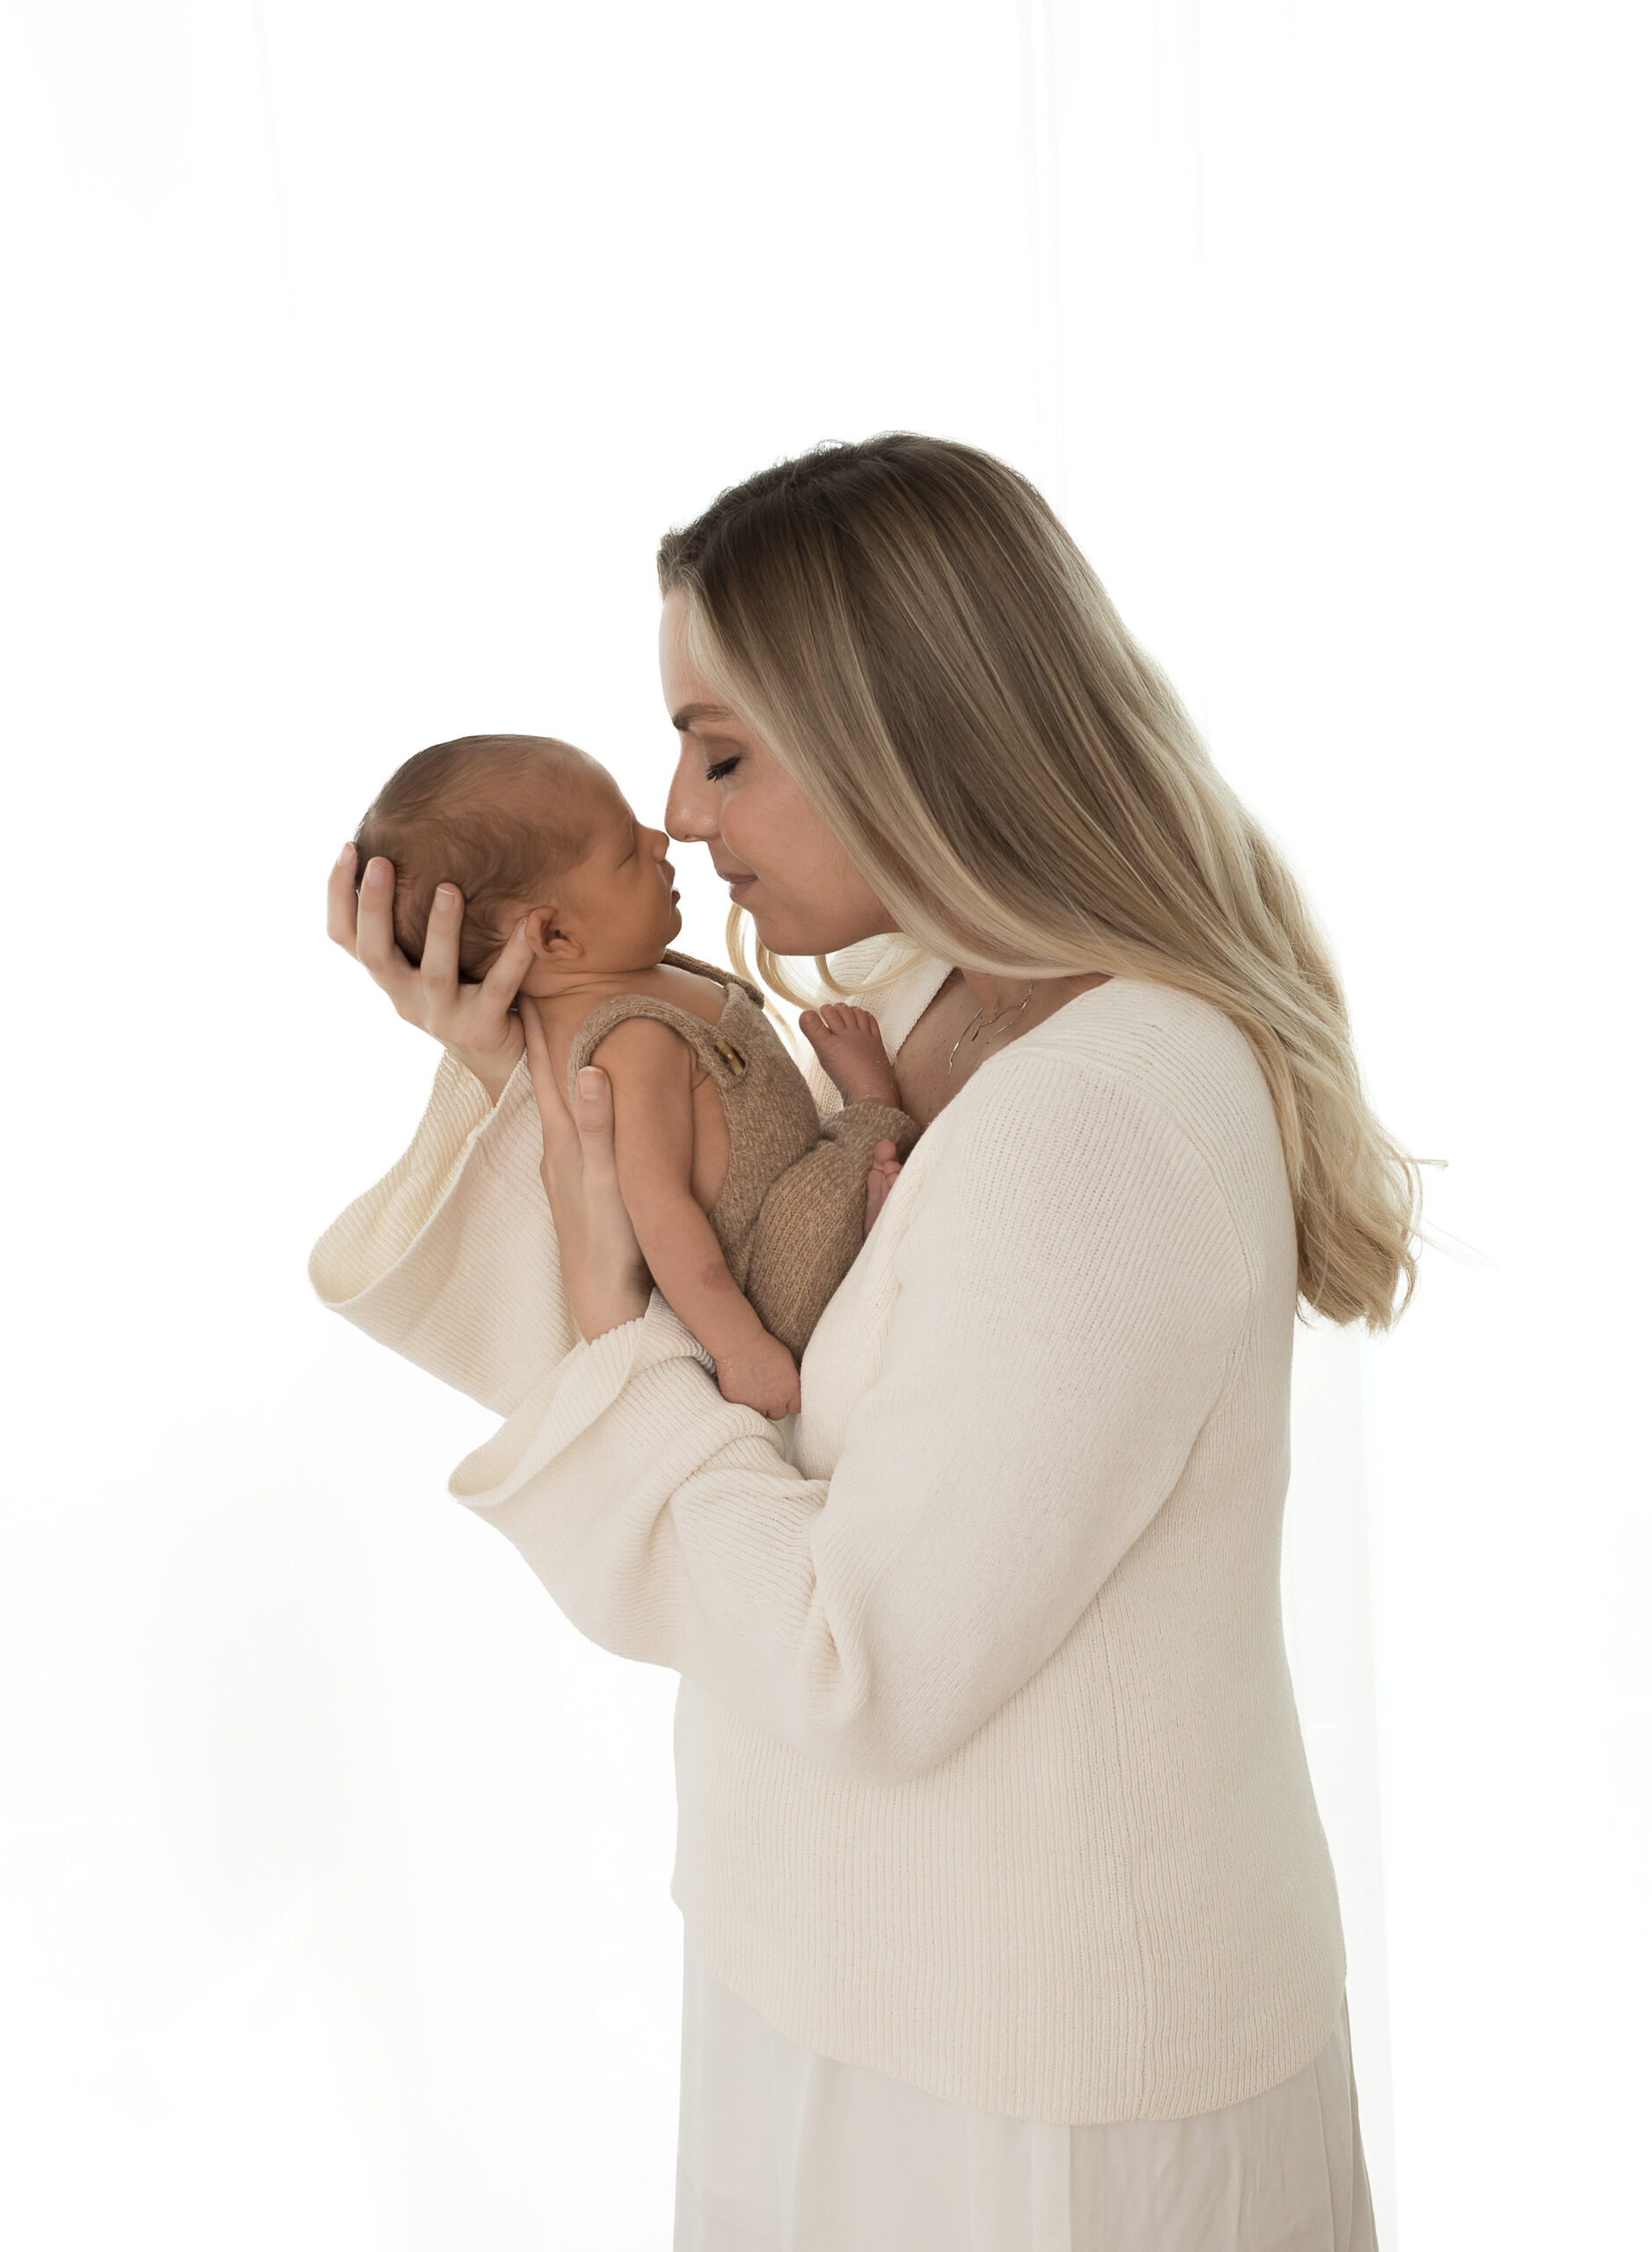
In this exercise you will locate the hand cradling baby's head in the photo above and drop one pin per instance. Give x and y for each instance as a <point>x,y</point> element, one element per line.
<point>504,817</point>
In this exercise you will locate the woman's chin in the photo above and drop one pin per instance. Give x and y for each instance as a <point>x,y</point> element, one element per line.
<point>779,937</point>
<point>774,937</point>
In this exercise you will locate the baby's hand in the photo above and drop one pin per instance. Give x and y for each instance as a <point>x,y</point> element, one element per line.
<point>761,1375</point>
<point>851,1053</point>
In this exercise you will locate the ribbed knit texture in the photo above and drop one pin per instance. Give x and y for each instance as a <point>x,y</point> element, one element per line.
<point>990,1775</point>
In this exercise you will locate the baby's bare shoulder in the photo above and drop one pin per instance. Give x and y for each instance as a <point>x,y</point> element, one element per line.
<point>643,1048</point>
<point>701,995</point>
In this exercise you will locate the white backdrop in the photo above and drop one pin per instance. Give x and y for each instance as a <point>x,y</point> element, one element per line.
<point>357,357</point>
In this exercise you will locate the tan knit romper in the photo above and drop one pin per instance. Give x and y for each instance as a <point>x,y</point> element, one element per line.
<point>790,1213</point>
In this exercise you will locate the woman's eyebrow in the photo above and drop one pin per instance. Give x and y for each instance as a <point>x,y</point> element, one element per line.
<point>691,714</point>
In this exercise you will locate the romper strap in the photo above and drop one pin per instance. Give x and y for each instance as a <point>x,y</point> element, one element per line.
<point>721,1056</point>
<point>711,969</point>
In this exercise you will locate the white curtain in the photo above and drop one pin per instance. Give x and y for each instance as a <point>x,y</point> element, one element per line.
<point>357,357</point>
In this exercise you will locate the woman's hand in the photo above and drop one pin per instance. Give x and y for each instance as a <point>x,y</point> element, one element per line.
<point>603,1273</point>
<point>475,1021</point>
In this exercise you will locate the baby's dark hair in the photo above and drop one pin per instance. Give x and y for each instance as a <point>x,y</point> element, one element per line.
<point>483,812</point>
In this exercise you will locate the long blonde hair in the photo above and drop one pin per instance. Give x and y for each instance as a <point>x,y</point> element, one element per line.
<point>919,640</point>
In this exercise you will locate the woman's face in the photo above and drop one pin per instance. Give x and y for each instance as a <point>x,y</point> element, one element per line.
<point>730,793</point>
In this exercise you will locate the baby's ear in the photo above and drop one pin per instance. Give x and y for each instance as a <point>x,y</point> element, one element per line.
<point>548,940</point>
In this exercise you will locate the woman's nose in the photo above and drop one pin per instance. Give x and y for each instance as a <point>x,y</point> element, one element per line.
<point>690,805</point>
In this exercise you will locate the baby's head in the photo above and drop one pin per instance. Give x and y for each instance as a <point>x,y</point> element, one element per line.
<point>522,824</point>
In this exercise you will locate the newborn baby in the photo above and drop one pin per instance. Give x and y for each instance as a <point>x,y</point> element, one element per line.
<point>748,1208</point>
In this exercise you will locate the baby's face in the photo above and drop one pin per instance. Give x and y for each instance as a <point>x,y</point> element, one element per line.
<point>619,902</point>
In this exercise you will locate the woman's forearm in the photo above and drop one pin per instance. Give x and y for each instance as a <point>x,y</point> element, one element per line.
<point>1062,1326</point>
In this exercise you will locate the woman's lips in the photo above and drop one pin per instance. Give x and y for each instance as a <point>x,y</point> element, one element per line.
<point>737,884</point>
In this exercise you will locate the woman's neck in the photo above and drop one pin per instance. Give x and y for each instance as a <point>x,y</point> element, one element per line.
<point>938,1057</point>
<point>1002,997</point>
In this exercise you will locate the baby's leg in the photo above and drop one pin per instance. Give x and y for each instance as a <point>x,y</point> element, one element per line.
<point>814,1218</point>
<point>851,1053</point>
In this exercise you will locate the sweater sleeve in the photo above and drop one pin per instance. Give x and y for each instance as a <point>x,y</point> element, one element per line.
<point>1072,1292</point>
<point>451,1259</point>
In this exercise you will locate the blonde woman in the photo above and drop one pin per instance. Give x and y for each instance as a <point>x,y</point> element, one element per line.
<point>1009,1920</point>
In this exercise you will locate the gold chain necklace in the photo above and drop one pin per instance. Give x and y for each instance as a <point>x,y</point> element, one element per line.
<point>974,1029</point>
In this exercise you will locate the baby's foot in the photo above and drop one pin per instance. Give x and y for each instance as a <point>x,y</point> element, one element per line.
<point>851,1050</point>
<point>886,1171</point>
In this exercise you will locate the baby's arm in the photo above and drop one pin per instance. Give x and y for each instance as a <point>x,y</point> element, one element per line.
<point>649,1067</point>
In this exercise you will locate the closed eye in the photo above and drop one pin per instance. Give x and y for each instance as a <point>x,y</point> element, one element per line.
<point>723,766</point>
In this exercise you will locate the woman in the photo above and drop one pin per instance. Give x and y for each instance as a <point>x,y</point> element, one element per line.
<point>1008,1914</point>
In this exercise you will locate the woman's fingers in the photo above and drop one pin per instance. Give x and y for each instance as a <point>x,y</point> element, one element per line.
<point>474,1022</point>
<point>341,900</point>
<point>375,925</point>
<point>553,1111</point>
<point>376,946</point>
<point>364,924</point>
<point>594,1116</point>
<point>439,959</point>
<point>516,958</point>
<point>602,1269</point>
<point>563,1149</point>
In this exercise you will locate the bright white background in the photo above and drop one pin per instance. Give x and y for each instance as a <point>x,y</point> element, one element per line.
<point>357,356</point>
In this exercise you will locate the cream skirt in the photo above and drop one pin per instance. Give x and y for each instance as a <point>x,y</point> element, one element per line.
<point>781,2150</point>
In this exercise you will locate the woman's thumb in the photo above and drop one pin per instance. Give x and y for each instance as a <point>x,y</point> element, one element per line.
<point>591,1091</point>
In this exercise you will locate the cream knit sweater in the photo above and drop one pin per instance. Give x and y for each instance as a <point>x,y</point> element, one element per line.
<point>989,1772</point>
